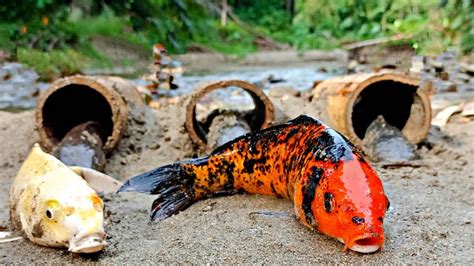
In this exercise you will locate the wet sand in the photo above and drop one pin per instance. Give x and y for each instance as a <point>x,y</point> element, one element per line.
<point>431,218</point>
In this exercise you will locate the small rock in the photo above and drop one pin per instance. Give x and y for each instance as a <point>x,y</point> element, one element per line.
<point>417,64</point>
<point>352,66</point>
<point>386,143</point>
<point>444,75</point>
<point>468,69</point>
<point>4,56</point>
<point>208,208</point>
<point>322,70</point>
<point>437,65</point>
<point>468,109</point>
<point>316,83</point>
<point>272,79</point>
<point>463,77</point>
<point>280,91</point>
<point>453,88</point>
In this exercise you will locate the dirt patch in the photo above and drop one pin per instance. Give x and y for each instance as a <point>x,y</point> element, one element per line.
<point>431,218</point>
<point>152,138</point>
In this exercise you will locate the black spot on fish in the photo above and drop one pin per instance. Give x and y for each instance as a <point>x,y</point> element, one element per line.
<point>358,220</point>
<point>330,145</point>
<point>309,192</point>
<point>229,171</point>
<point>380,219</point>
<point>259,183</point>
<point>339,151</point>
<point>291,134</point>
<point>37,230</point>
<point>212,178</point>
<point>274,191</point>
<point>249,164</point>
<point>316,174</point>
<point>328,201</point>
<point>360,157</point>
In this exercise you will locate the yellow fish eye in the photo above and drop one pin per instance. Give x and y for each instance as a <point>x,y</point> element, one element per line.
<point>51,207</point>
<point>49,214</point>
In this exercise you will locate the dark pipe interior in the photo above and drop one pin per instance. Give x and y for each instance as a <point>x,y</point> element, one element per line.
<point>391,99</point>
<point>74,105</point>
<point>254,118</point>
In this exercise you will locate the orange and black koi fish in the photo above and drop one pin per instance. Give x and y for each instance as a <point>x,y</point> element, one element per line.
<point>334,190</point>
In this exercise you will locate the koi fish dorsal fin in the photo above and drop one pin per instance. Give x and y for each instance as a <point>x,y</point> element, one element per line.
<point>304,119</point>
<point>301,119</point>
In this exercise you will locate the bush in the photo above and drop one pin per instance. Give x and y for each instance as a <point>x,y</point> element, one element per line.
<point>51,65</point>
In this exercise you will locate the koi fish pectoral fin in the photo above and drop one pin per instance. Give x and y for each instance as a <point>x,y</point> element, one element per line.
<point>100,182</point>
<point>171,183</point>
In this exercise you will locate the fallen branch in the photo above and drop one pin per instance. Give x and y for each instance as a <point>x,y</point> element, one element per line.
<point>382,40</point>
<point>227,9</point>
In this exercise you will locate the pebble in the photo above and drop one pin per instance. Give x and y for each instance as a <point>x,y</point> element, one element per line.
<point>386,143</point>
<point>208,208</point>
<point>280,91</point>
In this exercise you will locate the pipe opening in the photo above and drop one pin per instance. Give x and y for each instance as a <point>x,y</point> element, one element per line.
<point>252,106</point>
<point>242,104</point>
<point>392,100</point>
<point>73,105</point>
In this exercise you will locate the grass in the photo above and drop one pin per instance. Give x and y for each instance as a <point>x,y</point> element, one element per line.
<point>53,64</point>
<point>71,60</point>
<point>230,39</point>
<point>5,29</point>
<point>93,58</point>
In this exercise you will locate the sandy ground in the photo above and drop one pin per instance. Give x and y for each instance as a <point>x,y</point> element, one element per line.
<point>431,218</point>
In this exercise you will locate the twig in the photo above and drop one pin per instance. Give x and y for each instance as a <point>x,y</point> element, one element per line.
<point>393,38</point>
<point>403,164</point>
<point>10,239</point>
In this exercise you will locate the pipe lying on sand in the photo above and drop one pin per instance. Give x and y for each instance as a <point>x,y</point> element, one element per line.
<point>350,104</point>
<point>231,124</point>
<point>72,101</point>
<point>225,126</point>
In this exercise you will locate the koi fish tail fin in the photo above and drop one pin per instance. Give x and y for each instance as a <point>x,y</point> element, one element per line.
<point>172,184</point>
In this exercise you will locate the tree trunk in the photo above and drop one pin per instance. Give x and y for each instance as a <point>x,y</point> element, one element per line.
<point>290,7</point>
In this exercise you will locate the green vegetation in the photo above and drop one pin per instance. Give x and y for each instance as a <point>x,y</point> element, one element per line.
<point>51,64</point>
<point>56,36</point>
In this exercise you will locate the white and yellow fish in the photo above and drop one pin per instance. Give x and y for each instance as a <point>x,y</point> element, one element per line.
<point>55,206</point>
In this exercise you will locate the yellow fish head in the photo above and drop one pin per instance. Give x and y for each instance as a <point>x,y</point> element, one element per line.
<point>76,223</point>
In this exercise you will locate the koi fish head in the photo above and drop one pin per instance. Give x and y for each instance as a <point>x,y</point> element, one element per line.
<point>351,205</point>
<point>77,224</point>
<point>55,206</point>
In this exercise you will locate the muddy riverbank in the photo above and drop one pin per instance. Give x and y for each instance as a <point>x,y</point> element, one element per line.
<point>431,218</point>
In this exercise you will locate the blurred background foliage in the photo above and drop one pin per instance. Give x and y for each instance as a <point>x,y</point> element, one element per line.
<point>52,31</point>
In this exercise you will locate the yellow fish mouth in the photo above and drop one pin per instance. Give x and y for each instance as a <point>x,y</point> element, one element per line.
<point>88,244</point>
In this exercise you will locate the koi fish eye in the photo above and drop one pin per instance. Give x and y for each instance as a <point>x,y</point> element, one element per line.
<point>49,214</point>
<point>328,202</point>
<point>50,209</point>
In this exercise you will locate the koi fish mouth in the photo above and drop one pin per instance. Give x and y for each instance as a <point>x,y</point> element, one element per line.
<point>88,244</point>
<point>365,244</point>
